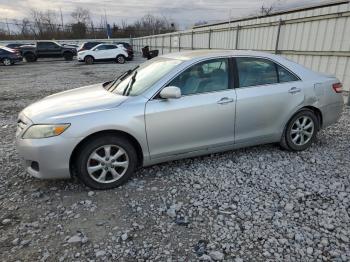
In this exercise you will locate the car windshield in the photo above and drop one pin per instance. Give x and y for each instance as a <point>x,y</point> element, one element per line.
<point>136,81</point>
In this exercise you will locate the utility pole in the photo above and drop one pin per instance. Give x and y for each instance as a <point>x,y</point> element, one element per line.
<point>61,19</point>
<point>8,28</point>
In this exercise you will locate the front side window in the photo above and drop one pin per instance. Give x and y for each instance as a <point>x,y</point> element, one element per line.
<point>203,77</point>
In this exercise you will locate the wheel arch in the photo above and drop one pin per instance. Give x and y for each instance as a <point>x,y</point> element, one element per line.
<point>68,52</point>
<point>28,53</point>
<point>88,56</point>
<point>314,109</point>
<point>317,112</point>
<point>119,133</point>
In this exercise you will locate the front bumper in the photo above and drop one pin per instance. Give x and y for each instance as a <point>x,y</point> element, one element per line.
<point>51,155</point>
<point>17,59</point>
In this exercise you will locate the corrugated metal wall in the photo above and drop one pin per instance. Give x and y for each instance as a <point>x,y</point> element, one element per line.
<point>317,37</point>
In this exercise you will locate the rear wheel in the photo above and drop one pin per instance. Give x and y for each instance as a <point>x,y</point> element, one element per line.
<point>7,61</point>
<point>89,60</point>
<point>300,131</point>
<point>106,162</point>
<point>120,59</point>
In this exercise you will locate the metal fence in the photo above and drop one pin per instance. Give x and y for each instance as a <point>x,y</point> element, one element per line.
<point>317,37</point>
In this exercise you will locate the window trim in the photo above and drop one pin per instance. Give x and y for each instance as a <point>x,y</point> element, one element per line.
<point>264,58</point>
<point>230,73</point>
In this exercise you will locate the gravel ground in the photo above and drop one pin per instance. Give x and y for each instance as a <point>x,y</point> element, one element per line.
<point>254,204</point>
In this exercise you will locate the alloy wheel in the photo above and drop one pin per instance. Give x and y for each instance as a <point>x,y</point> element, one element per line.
<point>121,59</point>
<point>302,130</point>
<point>107,163</point>
<point>6,61</point>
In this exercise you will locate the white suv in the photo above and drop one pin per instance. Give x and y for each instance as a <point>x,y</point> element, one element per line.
<point>103,52</point>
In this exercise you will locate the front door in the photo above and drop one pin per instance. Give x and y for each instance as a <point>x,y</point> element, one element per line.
<point>203,117</point>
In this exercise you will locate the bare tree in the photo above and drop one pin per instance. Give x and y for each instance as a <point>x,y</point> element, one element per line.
<point>266,10</point>
<point>81,15</point>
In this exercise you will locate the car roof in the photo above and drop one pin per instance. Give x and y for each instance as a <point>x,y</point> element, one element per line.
<point>207,53</point>
<point>104,44</point>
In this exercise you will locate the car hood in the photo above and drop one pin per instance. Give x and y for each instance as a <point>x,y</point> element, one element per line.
<point>73,102</point>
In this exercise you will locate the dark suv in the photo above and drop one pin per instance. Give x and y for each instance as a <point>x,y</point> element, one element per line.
<point>47,49</point>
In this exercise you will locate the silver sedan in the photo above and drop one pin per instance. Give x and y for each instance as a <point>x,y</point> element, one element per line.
<point>175,106</point>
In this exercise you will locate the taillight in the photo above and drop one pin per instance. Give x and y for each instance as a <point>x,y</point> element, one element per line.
<point>82,49</point>
<point>337,87</point>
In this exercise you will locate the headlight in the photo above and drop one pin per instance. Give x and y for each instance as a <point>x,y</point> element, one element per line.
<point>43,131</point>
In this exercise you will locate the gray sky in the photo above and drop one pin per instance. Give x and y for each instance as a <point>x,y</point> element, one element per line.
<point>183,12</point>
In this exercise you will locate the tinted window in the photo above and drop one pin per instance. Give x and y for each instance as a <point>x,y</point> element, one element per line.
<point>47,45</point>
<point>102,47</point>
<point>111,47</point>
<point>285,76</point>
<point>204,77</point>
<point>256,71</point>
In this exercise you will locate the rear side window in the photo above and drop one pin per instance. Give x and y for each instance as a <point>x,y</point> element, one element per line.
<point>285,76</point>
<point>254,71</point>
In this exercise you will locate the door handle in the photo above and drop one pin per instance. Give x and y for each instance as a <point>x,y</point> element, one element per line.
<point>225,100</point>
<point>294,90</point>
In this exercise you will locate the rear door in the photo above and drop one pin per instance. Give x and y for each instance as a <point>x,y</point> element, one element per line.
<point>202,118</point>
<point>266,95</point>
<point>111,52</point>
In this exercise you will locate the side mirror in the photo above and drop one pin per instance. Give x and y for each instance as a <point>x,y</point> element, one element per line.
<point>170,92</point>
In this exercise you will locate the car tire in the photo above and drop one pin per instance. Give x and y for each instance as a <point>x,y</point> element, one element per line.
<point>7,61</point>
<point>68,56</point>
<point>101,170</point>
<point>120,59</point>
<point>301,131</point>
<point>89,60</point>
<point>30,57</point>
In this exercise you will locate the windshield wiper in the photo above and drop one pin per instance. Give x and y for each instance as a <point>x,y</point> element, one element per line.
<point>111,87</point>
<point>127,90</point>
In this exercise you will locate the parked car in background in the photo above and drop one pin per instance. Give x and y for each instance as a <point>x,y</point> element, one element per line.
<point>128,48</point>
<point>71,45</point>
<point>9,56</point>
<point>47,49</point>
<point>16,46</point>
<point>175,106</point>
<point>88,45</point>
<point>103,52</point>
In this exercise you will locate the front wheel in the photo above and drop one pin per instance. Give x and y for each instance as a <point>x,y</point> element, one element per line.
<point>68,56</point>
<point>106,162</point>
<point>300,131</point>
<point>89,60</point>
<point>120,59</point>
<point>7,62</point>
